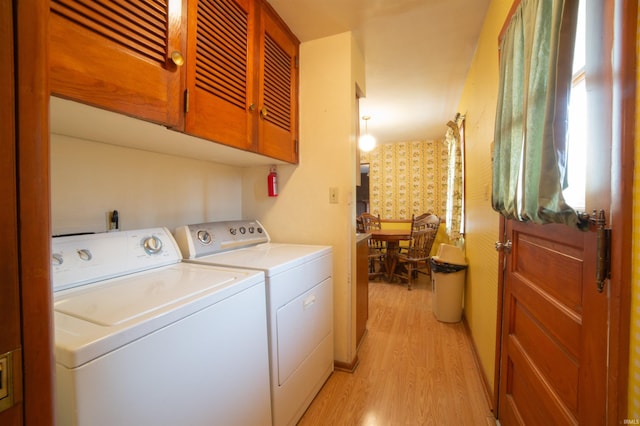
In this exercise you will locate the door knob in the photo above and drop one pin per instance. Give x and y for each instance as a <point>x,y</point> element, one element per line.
<point>506,246</point>
<point>177,58</point>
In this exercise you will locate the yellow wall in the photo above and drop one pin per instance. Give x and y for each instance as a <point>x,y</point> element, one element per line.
<point>634,360</point>
<point>329,70</point>
<point>407,178</point>
<point>478,104</point>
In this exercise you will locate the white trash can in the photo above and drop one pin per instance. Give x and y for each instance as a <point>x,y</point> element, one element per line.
<point>448,270</point>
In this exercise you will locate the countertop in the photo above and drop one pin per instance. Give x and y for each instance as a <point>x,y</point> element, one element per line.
<point>360,237</point>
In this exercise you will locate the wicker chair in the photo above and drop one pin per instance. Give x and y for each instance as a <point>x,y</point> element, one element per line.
<point>418,254</point>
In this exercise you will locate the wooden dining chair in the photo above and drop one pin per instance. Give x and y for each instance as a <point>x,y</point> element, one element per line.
<point>429,220</point>
<point>368,222</point>
<point>418,255</point>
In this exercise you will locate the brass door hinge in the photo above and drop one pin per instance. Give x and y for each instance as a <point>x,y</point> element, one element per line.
<point>596,220</point>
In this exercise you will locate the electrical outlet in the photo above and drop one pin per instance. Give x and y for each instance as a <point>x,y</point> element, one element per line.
<point>333,195</point>
<point>7,379</point>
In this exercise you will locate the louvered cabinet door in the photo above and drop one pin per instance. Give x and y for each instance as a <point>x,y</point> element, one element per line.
<point>117,55</point>
<point>278,89</point>
<point>220,72</point>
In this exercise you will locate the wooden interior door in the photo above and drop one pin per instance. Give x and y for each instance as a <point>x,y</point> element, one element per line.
<point>563,347</point>
<point>10,405</point>
<point>554,336</point>
<point>25,287</point>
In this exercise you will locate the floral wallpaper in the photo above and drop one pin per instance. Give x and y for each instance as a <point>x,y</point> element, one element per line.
<point>407,178</point>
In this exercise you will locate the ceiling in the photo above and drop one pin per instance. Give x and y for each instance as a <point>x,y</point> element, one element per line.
<point>417,54</point>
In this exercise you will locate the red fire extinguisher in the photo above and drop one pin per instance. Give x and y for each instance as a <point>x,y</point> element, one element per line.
<point>272,182</point>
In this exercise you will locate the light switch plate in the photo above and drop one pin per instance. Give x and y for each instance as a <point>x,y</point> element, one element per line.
<point>333,195</point>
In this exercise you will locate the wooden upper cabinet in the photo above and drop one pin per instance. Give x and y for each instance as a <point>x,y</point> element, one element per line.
<point>220,74</point>
<point>278,88</point>
<point>118,56</point>
<point>240,67</point>
<point>242,77</point>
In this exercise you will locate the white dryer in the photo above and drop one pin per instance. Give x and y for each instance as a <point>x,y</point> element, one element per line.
<point>144,339</point>
<point>300,304</point>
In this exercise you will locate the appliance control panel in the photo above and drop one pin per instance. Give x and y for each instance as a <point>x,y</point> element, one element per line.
<point>204,239</point>
<point>83,259</point>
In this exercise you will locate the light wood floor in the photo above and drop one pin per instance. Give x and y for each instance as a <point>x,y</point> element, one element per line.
<point>414,370</point>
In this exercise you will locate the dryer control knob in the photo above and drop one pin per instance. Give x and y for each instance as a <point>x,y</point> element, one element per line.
<point>57,259</point>
<point>232,231</point>
<point>85,254</point>
<point>152,245</point>
<point>204,237</point>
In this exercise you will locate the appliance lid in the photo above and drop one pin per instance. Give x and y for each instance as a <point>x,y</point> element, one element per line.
<point>272,258</point>
<point>95,319</point>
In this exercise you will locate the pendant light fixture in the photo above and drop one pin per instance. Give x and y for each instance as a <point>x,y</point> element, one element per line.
<point>366,141</point>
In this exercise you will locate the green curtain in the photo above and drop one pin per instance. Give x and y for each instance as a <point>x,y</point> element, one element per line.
<point>529,164</point>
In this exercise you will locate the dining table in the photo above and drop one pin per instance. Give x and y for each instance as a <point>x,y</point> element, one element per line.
<point>392,238</point>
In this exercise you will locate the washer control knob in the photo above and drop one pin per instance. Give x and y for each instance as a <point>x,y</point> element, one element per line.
<point>152,245</point>
<point>243,230</point>
<point>204,237</point>
<point>85,254</point>
<point>233,231</point>
<point>251,229</point>
<point>57,259</point>
<point>259,230</point>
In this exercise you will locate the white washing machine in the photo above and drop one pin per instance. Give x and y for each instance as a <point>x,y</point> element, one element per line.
<point>144,339</point>
<point>300,304</point>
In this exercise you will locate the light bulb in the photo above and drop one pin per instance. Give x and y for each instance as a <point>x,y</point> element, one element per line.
<point>367,142</point>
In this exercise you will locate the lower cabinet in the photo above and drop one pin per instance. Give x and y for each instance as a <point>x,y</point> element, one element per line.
<point>362,289</point>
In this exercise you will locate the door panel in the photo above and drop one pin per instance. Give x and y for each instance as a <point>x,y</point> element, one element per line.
<point>220,71</point>
<point>278,89</point>
<point>554,333</point>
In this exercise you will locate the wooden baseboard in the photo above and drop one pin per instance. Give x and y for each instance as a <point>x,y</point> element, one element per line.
<point>476,359</point>
<point>349,367</point>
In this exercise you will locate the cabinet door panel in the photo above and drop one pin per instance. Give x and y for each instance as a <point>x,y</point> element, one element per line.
<point>278,125</point>
<point>219,75</point>
<point>116,55</point>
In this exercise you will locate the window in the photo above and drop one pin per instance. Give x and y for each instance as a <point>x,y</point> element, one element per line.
<point>574,194</point>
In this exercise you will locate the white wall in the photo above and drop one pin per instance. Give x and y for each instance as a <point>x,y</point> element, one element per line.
<point>89,179</point>
<point>329,70</point>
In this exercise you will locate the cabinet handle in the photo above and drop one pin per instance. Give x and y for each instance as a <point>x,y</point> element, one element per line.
<point>177,58</point>
<point>252,107</point>
<point>264,112</point>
